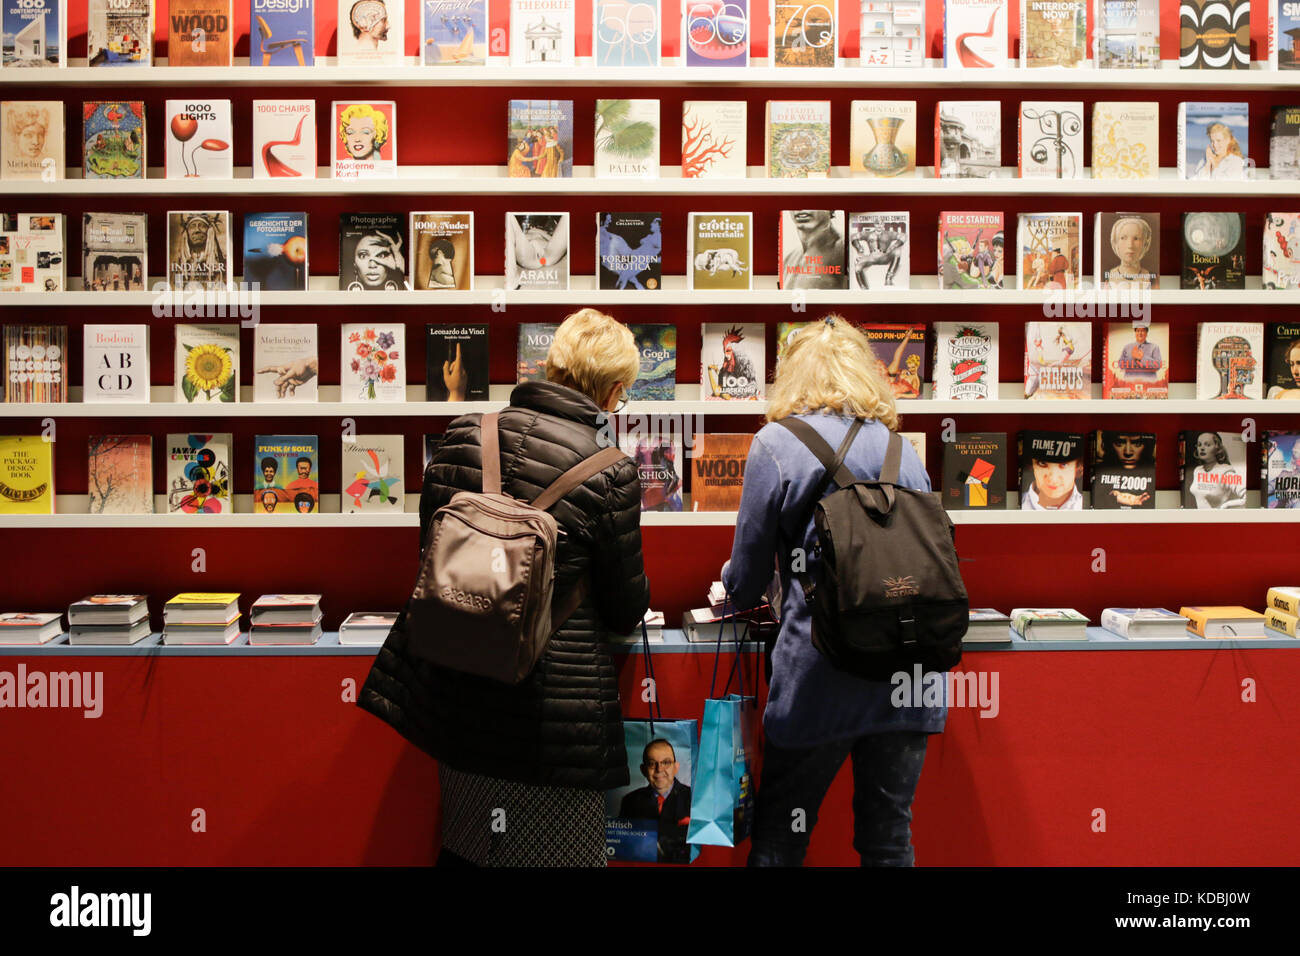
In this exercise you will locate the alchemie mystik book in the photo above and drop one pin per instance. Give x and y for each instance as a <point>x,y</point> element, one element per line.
<point>1049,252</point>
<point>35,363</point>
<point>1058,360</point>
<point>31,139</point>
<point>284,139</point>
<point>627,139</point>
<point>119,33</point>
<point>35,33</point>
<point>286,362</point>
<point>453,32</point>
<point>207,364</point>
<point>542,33</point>
<point>1123,470</point>
<point>115,364</point>
<point>114,253</point>
<point>713,139</point>
<point>975,471</point>
<point>629,250</point>
<point>442,246</point>
<point>812,249</point>
<point>965,361</point>
<point>275,250</point>
<point>113,140</point>
<point>372,474</point>
<point>456,363</point>
<point>119,474</point>
<point>281,33</point>
<point>879,245</point>
<point>286,476</point>
<point>198,250</point>
<point>732,362</point>
<point>201,33</point>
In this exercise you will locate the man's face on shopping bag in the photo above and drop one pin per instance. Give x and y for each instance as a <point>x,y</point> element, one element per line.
<point>660,765</point>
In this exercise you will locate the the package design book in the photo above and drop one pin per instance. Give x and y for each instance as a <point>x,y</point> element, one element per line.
<point>26,475</point>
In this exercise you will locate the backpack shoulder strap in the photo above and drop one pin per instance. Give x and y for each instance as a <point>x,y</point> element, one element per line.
<point>577,475</point>
<point>490,443</point>
<point>832,461</point>
<point>893,459</point>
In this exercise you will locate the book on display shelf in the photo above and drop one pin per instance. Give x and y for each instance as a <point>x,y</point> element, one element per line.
<point>975,471</point>
<point>1051,471</point>
<point>108,609</point>
<point>543,33</point>
<point>1053,33</point>
<point>442,251</point>
<point>275,251</point>
<point>1145,623</point>
<point>372,251</point>
<point>1049,251</point>
<point>1058,361</point>
<point>114,251</point>
<point>625,33</point>
<point>456,363</point>
<point>537,251</point>
<point>453,32</point>
<point>206,364</point>
<point>715,33</point>
<point>284,139</point>
<point>891,33</point>
<point>972,251</point>
<point>1126,140</point>
<point>198,473</point>
<point>281,33</point>
<point>629,250</point>
<point>1282,374</point>
<point>198,251</point>
<point>200,33</point>
<point>31,252</point>
<point>720,251</point>
<point>373,362</point>
<point>113,139</point>
<point>879,248</point>
<point>31,140</point>
<point>539,141</point>
<point>286,362</point>
<point>534,342</point>
<point>882,137</point>
<point>802,33</point>
<point>713,139</point>
<point>1212,469</point>
<point>1126,250</point>
<point>1281,250</point>
<point>900,355</point>
<point>119,33</point>
<point>657,378</point>
<point>1050,141</point>
<point>968,139</point>
<point>797,139</point>
<point>987,626</point>
<point>1229,360</point>
<point>965,365</point>
<point>366,628</point>
<point>109,635</point>
<point>115,363</point>
<point>626,139</point>
<point>364,137</point>
<point>197,137</point>
<point>1213,141</point>
<point>732,362</point>
<point>1049,624</point>
<point>35,363</point>
<point>1223,621</point>
<point>18,627</point>
<point>1287,624</point>
<point>1123,470</point>
<point>26,475</point>
<point>811,249</point>
<point>1281,474</point>
<point>372,474</point>
<point>718,470</point>
<point>371,33</point>
<point>286,474</point>
<point>1135,360</point>
<point>975,34</point>
<point>1128,34</point>
<point>1214,34</point>
<point>1284,599</point>
<point>119,474</point>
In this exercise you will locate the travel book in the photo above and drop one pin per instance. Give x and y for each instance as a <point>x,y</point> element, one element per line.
<point>113,140</point>
<point>365,138</point>
<point>284,139</point>
<point>373,362</point>
<point>372,474</point>
<point>1053,33</point>
<point>965,366</point>
<point>371,33</point>
<point>732,362</point>
<point>1212,469</point>
<point>542,33</point>
<point>372,251</point>
<point>882,137</point>
<point>115,363</point>
<point>1049,250</point>
<point>1282,372</point>
<point>119,33</point>
<point>720,251</point>
<point>1229,359</point>
<point>879,248</point>
<point>657,378</point>
<point>456,363</point>
<point>31,139</point>
<point>1126,250</point>
<point>198,474</point>
<point>1125,140</point>
<point>31,252</point>
<point>1051,471</point>
<point>197,139</point>
<point>972,250</point>
<point>625,33</point>
<point>1058,360</point>
<point>114,251</point>
<point>35,363</point>
<point>1214,250</point>
<point>718,470</point>
<point>626,139</point>
<point>975,34</point>
<point>206,366</point>
<point>659,464</point>
<point>1050,143</point>
<point>281,33</point>
<point>1213,141</point>
<point>1144,623</point>
<point>453,32</point>
<point>1123,470</point>
<point>540,139</point>
<point>1284,142</point>
<point>535,340</point>
<point>1281,250</point>
<point>797,139</point>
<point>802,34</point>
<point>286,474</point>
<point>891,33</point>
<point>1128,34</point>
<point>198,250</point>
<point>1136,360</point>
<point>1281,476</point>
<point>26,475</point>
<point>812,250</point>
<point>1214,35</point>
<point>713,139</point>
<point>119,478</point>
<point>1049,624</point>
<point>537,251</point>
<point>1283,34</point>
<point>968,139</point>
<point>975,471</point>
<point>200,33</point>
<point>715,34</point>
<point>629,250</point>
<point>442,250</point>
<point>286,362</point>
<point>275,251</point>
<point>900,356</point>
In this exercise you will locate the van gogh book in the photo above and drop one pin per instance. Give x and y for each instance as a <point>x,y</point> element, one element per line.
<point>201,33</point>
<point>625,32</point>
<point>802,34</point>
<point>31,139</point>
<point>372,474</point>
<point>365,139</point>
<point>114,253</point>
<point>880,250</point>
<point>535,340</point>
<point>371,33</point>
<point>891,33</point>
<point>119,474</point>
<point>35,363</point>
<point>113,140</point>
<point>537,251</point>
<point>454,32</point>
<point>35,33</point>
<point>286,362</point>
<point>629,250</point>
<point>198,250</point>
<point>284,139</point>
<point>627,139</point>
<point>1049,250</point>
<point>715,34</point>
<point>797,139</point>
<point>542,33</point>
<point>198,474</point>
<point>720,250</point>
<point>119,33</point>
<point>373,362</point>
<point>713,139</point>
<point>281,33</point>
<point>965,366</point>
<point>442,245</point>
<point>286,474</point>
<point>197,140</point>
<point>115,363</point>
<point>882,137</point>
<point>657,378</point>
<point>26,475</point>
<point>456,363</point>
<point>275,250</point>
<point>732,362</point>
<point>206,367</point>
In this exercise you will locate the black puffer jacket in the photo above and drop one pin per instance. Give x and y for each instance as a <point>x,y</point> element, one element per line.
<point>563,725</point>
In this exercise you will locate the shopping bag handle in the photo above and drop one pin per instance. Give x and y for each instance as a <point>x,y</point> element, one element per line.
<point>652,704</point>
<point>739,641</point>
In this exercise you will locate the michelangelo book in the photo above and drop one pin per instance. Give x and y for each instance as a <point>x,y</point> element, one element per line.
<point>31,139</point>
<point>286,362</point>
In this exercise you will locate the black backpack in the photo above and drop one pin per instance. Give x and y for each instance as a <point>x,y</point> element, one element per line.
<point>887,593</point>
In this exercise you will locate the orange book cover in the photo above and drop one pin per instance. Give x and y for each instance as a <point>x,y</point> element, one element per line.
<point>199,33</point>
<point>1199,617</point>
<point>718,471</point>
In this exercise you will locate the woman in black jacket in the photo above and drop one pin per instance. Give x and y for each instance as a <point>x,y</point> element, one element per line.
<point>523,768</point>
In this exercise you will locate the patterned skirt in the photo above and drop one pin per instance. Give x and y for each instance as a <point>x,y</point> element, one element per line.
<point>494,822</point>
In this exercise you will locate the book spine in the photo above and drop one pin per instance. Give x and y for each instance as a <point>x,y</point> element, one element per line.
<point>1278,621</point>
<point>1182,141</point>
<point>1279,600</point>
<point>1115,622</point>
<point>1024,34</point>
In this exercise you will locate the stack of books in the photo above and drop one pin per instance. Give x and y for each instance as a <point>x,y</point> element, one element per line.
<point>109,619</point>
<point>654,629</point>
<point>285,619</point>
<point>367,628</point>
<point>17,627</point>
<point>702,624</point>
<point>1282,611</point>
<point>201,617</point>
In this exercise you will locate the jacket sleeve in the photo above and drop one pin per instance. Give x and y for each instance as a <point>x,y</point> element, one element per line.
<point>620,591</point>
<point>758,521</point>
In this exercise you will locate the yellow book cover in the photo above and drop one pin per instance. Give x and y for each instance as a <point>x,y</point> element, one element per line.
<point>1278,621</point>
<point>1286,600</point>
<point>26,475</point>
<point>1126,141</point>
<point>1200,617</point>
<point>215,598</point>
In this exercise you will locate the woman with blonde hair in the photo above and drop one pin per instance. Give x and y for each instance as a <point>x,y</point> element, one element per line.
<point>818,716</point>
<point>1223,158</point>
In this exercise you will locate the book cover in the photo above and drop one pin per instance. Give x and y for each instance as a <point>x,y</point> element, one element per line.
<point>880,250</point>
<point>1214,250</point>
<point>197,140</point>
<point>286,474</point>
<point>198,475</point>
<point>284,139</point>
<point>1028,620</point>
<point>275,251</point>
<point>200,33</point>
<point>1125,140</point>
<point>715,33</point>
<point>900,356</point>
<point>1048,249</point>
<point>1212,469</point>
<point>968,139</point>
<point>720,250</point>
<point>1214,34</point>
<point>657,379</point>
<point>34,33</point>
<point>373,362</point>
<point>965,364</point>
<point>31,139</point>
<point>454,32</point>
<point>286,362</point>
<point>1128,34</point>
<point>625,33</point>
<point>372,474</point>
<point>1136,360</point>
<point>917,441</point>
<point>1058,360</point>
<point>718,470</point>
<point>372,251</point>
<point>537,251</point>
<point>785,335</point>
<point>442,245</point>
<point>1288,624</point>
<point>31,252</point>
<point>812,249</point>
<point>891,33</point>
<point>629,250</point>
<point>1144,623</point>
<point>1284,599</point>
<point>1284,142</point>
<point>882,137</point>
<point>797,139</point>
<point>627,139</point>
<point>119,33</point>
<point>207,364</point>
<point>1281,478</point>
<point>802,34</point>
<point>456,363</point>
<point>26,475</point>
<point>1126,250</point>
<point>1228,359</point>
<point>534,342</point>
<point>1283,34</point>
<point>659,466</point>
<point>198,250</point>
<point>732,362</point>
<point>972,250</point>
<point>365,138</point>
<point>1123,470</point>
<point>114,251</point>
<point>35,363</point>
<point>113,140</point>
<point>542,33</point>
<point>1053,33</point>
<point>1281,250</point>
<point>1050,144</point>
<point>713,139</point>
<point>119,474</point>
<point>1051,471</point>
<point>540,139</point>
<point>115,364</point>
<point>975,34</point>
<point>975,471</point>
<point>1213,141</point>
<point>371,33</point>
<point>281,33</point>
<point>1282,378</point>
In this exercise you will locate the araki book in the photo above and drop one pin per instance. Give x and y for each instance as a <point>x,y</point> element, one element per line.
<point>200,33</point>
<point>198,474</point>
<point>115,363</point>
<point>281,33</point>
<point>1058,360</point>
<point>456,363</point>
<point>879,248</point>
<point>732,362</point>
<point>537,251</point>
<point>442,247</point>
<point>114,252</point>
<point>284,139</point>
<point>812,249</point>
<point>119,474</point>
<point>286,362</point>
<point>198,250</point>
<point>206,368</point>
<point>275,250</point>
<point>1049,250</point>
<point>629,250</point>
<point>113,140</point>
<point>965,366</point>
<point>286,474</point>
<point>713,139</point>
<point>364,137</point>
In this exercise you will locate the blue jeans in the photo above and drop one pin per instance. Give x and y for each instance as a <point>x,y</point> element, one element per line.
<point>886,768</point>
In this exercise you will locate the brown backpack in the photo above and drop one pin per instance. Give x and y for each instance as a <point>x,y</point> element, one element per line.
<point>483,602</point>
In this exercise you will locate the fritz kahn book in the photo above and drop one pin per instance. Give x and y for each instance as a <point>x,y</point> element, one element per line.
<point>879,247</point>
<point>967,139</point>
<point>1214,250</point>
<point>1058,360</point>
<point>627,139</point>
<point>1144,623</point>
<point>371,33</point>
<point>797,139</point>
<point>1223,621</point>
<point>1049,250</point>
<point>442,250</point>
<point>732,362</point>
<point>657,378</point>
<point>373,362</point>
<point>197,139</point>
<point>720,250</point>
<point>456,363</point>
<point>284,139</point>
<point>1051,140</point>
<point>1281,250</point>
<point>286,474</point>
<point>114,253</point>
<point>1213,141</point>
<point>659,463</point>
<point>1125,140</point>
<point>965,366</point>
<point>198,474</point>
<point>1284,599</point>
<point>207,364</point>
<point>281,33</point>
<point>372,474</point>
<point>1282,376</point>
<point>119,33</point>
<point>198,250</point>
<point>1283,34</point>
<point>1051,471</point>
<point>975,471</point>
<point>120,474</point>
<point>31,252</point>
<point>535,340</point>
<point>972,250</point>
<point>891,33</point>
<point>1214,35</point>
<point>1053,33</point>
<point>1123,470</point>
<point>31,139</point>
<point>35,33</point>
<point>200,33</point>
<point>36,363</point>
<point>115,364</point>
<point>629,250</point>
<point>975,34</point>
<point>802,34</point>
<point>26,475</point>
<point>715,35</point>
<point>713,139</point>
<point>811,243</point>
<point>537,251</point>
<point>1049,624</point>
<point>286,362</point>
<point>625,33</point>
<point>1229,356</point>
<point>900,356</point>
<point>542,33</point>
<point>1126,250</point>
<point>275,250</point>
<point>372,251</point>
<point>1212,469</point>
<point>1281,476</point>
<point>540,139</point>
<point>113,140</point>
<point>1128,34</point>
<point>364,139</point>
<point>1136,360</point>
<point>882,137</point>
<point>718,470</point>
<point>1284,142</point>
<point>453,32</point>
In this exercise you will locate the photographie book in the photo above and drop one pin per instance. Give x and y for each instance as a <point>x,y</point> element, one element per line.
<point>1128,34</point>
<point>1214,35</point>
<point>114,251</point>
<point>972,250</point>
<point>207,364</point>
<point>26,475</point>
<point>891,33</point>
<point>625,33</point>
<point>119,33</point>
<point>119,474</point>
<point>797,139</point>
<point>1049,624</point>
<point>1125,140</point>
<point>1053,33</point>
<point>1213,141</point>
<point>900,355</point>
<point>659,461</point>
<point>975,471</point>
<point>720,250</point>
<point>1126,250</point>
<point>537,251</point>
<point>812,250</point>
<point>365,139</point>
<point>1283,34</point>
<point>31,139</point>
<point>1282,380</point>
<point>286,474</point>
<point>542,33</point>
<point>713,139</point>
<point>113,140</point>
<point>968,139</point>
<point>371,33</point>
<point>198,474</point>
<point>1212,469</point>
<point>629,250</point>
<point>540,139</point>
<point>275,251</point>
<point>1229,360</point>
<point>1049,247</point>
<point>1051,471</point>
<point>732,362</point>
<point>36,363</point>
<point>1281,250</point>
<point>35,33</point>
<point>1284,142</point>
<point>1281,477</point>
<point>198,250</point>
<point>373,362</point>
<point>197,140</point>
<point>115,363</point>
<point>453,32</point>
<point>975,34</point>
<point>284,139</point>
<point>965,366</point>
<point>802,34</point>
<point>1214,250</point>
<point>882,137</point>
<point>1123,470</point>
<point>281,33</point>
<point>372,474</point>
<point>1136,360</point>
<point>715,34</point>
<point>657,379</point>
<point>31,252</point>
<point>372,251</point>
<point>535,340</point>
<point>442,245</point>
<point>718,470</point>
<point>200,33</point>
<point>1144,623</point>
<point>1058,360</point>
<point>879,248</point>
<point>456,363</point>
<point>626,139</point>
<point>1050,144</point>
<point>286,362</point>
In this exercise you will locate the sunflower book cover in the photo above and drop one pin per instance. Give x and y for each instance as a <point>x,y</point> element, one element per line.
<point>207,364</point>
